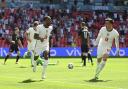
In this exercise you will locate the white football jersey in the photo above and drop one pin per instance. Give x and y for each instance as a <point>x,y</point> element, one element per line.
<point>105,38</point>
<point>31,33</point>
<point>44,32</point>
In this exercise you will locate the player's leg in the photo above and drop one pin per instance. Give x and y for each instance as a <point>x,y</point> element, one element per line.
<point>90,58</point>
<point>46,56</point>
<point>11,49</point>
<point>36,56</point>
<point>8,55</point>
<point>17,57</point>
<point>101,65</point>
<point>84,56</point>
<point>37,52</point>
<point>99,58</point>
<point>18,54</point>
<point>32,58</point>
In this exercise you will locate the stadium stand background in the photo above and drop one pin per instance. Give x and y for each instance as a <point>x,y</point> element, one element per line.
<point>66,15</point>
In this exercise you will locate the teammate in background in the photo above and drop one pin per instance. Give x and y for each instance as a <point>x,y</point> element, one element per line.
<point>15,41</point>
<point>85,43</point>
<point>31,41</point>
<point>104,41</point>
<point>42,44</point>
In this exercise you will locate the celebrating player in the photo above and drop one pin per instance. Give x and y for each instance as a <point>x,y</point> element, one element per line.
<point>104,41</point>
<point>85,43</point>
<point>31,41</point>
<point>42,44</point>
<point>14,45</point>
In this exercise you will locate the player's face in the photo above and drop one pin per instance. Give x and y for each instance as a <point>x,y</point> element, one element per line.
<point>82,25</point>
<point>108,25</point>
<point>48,21</point>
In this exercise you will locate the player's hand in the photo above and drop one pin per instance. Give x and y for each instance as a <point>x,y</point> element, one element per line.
<point>36,36</point>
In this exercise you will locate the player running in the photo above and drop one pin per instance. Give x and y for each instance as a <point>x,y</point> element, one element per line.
<point>104,41</point>
<point>15,41</point>
<point>31,41</point>
<point>85,43</point>
<point>42,44</point>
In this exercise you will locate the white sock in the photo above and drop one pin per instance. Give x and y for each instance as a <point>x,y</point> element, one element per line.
<point>97,68</point>
<point>44,67</point>
<point>100,67</point>
<point>32,58</point>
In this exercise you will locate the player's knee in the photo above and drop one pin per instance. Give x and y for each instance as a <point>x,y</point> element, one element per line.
<point>99,60</point>
<point>46,55</point>
<point>105,56</point>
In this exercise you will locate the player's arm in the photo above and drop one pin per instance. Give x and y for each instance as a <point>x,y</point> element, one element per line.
<point>27,35</point>
<point>117,43</point>
<point>98,38</point>
<point>19,42</point>
<point>11,41</point>
<point>37,37</point>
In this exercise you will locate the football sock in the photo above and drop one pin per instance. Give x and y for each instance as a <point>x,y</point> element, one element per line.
<point>44,66</point>
<point>99,68</point>
<point>90,57</point>
<point>32,58</point>
<point>83,60</point>
<point>6,58</point>
<point>17,58</point>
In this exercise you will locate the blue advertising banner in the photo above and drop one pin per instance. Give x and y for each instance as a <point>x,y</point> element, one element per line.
<point>66,52</point>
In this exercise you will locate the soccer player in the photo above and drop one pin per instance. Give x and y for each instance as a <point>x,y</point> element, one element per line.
<point>42,44</point>
<point>15,41</point>
<point>31,41</point>
<point>85,43</point>
<point>104,41</point>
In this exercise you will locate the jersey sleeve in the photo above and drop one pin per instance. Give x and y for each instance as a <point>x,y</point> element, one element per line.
<point>49,31</point>
<point>98,37</point>
<point>117,41</point>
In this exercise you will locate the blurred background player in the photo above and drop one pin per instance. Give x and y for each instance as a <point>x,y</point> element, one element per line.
<point>42,44</point>
<point>15,41</point>
<point>104,41</point>
<point>31,41</point>
<point>85,43</point>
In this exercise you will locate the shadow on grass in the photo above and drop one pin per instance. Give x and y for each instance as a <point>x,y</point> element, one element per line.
<point>97,80</point>
<point>22,67</point>
<point>30,81</point>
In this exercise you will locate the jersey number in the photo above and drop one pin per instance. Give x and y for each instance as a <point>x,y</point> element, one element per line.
<point>85,35</point>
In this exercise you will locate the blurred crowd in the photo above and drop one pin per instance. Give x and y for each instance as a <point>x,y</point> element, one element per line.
<point>65,22</point>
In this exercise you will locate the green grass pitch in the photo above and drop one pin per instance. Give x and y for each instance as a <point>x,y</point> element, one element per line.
<point>20,76</point>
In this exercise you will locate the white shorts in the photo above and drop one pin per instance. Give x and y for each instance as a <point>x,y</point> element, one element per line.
<point>101,50</point>
<point>31,46</point>
<point>40,48</point>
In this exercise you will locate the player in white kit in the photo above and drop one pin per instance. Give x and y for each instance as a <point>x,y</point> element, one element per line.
<point>42,44</point>
<point>31,41</point>
<point>104,41</point>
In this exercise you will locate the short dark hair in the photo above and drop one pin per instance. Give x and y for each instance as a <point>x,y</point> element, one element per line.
<point>46,17</point>
<point>110,20</point>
